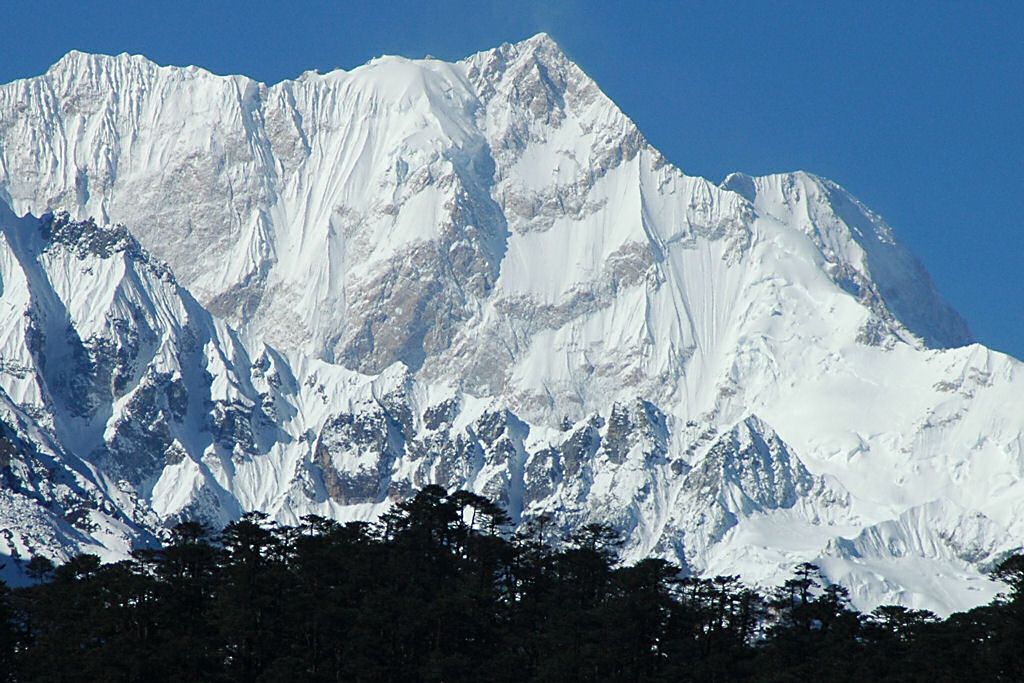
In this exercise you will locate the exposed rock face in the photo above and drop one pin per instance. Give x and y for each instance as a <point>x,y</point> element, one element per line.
<point>478,275</point>
<point>355,452</point>
<point>747,471</point>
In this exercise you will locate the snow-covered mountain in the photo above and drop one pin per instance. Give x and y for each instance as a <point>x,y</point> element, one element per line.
<point>477,274</point>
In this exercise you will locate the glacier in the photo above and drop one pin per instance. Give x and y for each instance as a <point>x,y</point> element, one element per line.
<point>334,290</point>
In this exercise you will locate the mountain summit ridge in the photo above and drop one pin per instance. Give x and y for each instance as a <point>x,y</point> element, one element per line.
<point>479,274</point>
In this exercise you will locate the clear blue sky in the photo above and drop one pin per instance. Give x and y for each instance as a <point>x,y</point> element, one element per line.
<point>915,107</point>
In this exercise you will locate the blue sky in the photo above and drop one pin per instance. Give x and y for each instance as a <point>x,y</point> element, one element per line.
<point>917,108</point>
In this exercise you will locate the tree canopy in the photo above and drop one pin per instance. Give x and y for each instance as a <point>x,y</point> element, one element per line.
<point>440,588</point>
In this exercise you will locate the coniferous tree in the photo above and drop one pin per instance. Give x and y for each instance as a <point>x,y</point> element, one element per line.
<point>9,635</point>
<point>439,590</point>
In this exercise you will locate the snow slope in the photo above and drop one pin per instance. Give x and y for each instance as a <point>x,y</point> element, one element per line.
<point>480,274</point>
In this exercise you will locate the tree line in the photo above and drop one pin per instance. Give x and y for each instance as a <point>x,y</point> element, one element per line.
<point>440,589</point>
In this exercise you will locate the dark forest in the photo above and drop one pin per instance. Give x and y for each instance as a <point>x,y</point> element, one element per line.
<point>440,589</point>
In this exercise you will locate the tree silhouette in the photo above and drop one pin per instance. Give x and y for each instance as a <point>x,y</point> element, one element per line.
<point>440,589</point>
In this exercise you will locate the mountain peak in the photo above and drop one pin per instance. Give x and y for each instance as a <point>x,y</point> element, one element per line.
<point>540,42</point>
<point>76,65</point>
<point>71,59</point>
<point>863,254</point>
<point>540,49</point>
<point>543,49</point>
<point>77,61</point>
